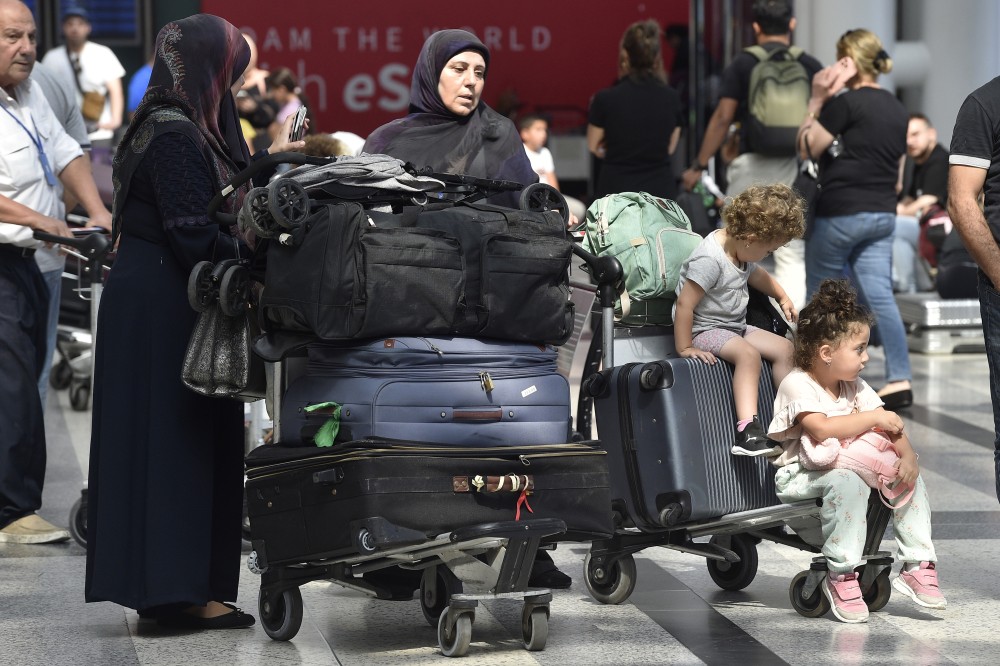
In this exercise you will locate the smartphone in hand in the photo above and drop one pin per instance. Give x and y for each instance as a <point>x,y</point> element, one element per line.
<point>298,125</point>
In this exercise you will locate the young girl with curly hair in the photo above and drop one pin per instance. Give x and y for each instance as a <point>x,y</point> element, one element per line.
<point>824,398</point>
<point>712,296</point>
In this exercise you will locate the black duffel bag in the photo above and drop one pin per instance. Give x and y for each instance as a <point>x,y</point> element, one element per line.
<point>467,270</point>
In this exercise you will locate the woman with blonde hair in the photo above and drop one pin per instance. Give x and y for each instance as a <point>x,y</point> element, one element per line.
<point>857,131</point>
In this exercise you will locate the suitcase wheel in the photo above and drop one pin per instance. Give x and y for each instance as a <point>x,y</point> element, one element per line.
<point>280,613</point>
<point>815,604</point>
<point>610,581</point>
<point>455,632</point>
<point>734,575</point>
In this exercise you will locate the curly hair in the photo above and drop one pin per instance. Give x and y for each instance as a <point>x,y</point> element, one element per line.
<point>766,212</point>
<point>832,315</point>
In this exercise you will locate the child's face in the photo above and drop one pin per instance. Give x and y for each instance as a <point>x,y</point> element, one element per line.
<point>756,250</point>
<point>534,136</point>
<point>850,357</point>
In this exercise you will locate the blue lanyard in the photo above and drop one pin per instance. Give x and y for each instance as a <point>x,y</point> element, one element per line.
<point>36,139</point>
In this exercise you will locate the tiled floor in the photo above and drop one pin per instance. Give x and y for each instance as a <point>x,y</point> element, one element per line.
<point>676,615</point>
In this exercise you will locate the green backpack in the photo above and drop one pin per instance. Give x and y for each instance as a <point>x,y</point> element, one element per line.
<point>651,237</point>
<point>777,101</point>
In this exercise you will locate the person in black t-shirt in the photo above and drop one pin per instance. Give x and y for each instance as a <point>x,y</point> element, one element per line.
<point>928,187</point>
<point>974,168</point>
<point>634,125</point>
<point>857,131</point>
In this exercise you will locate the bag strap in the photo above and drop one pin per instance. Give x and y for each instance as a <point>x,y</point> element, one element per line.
<point>75,66</point>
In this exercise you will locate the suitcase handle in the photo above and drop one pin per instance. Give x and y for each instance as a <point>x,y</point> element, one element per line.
<point>507,483</point>
<point>490,415</point>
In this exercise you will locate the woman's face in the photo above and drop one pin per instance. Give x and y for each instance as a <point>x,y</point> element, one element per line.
<point>461,82</point>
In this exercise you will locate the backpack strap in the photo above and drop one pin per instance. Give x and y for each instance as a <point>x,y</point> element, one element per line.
<point>763,54</point>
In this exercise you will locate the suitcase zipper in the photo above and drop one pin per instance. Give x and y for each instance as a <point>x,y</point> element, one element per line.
<point>629,445</point>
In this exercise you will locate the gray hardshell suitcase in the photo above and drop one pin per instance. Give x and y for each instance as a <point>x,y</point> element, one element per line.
<point>936,325</point>
<point>460,391</point>
<point>668,427</point>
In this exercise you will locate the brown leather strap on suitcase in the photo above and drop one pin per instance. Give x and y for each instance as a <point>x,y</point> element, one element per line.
<point>508,483</point>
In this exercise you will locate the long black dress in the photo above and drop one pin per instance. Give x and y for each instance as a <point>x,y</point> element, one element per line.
<point>165,498</point>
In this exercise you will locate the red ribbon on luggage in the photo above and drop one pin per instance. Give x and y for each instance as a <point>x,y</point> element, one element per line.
<point>522,499</point>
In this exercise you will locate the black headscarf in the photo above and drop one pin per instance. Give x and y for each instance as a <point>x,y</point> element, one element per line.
<point>197,60</point>
<point>483,144</point>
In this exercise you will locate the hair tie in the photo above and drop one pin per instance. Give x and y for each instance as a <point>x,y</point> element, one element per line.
<point>881,56</point>
<point>297,91</point>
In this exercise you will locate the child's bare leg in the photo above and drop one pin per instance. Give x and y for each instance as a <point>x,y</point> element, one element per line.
<point>776,349</point>
<point>746,361</point>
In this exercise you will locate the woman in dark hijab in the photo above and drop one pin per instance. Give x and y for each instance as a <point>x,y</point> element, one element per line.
<point>166,465</point>
<point>449,127</point>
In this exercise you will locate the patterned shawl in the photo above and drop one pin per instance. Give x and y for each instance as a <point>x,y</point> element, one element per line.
<point>197,60</point>
<point>483,144</point>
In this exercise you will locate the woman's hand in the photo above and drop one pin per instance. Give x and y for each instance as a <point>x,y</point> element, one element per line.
<point>700,354</point>
<point>908,468</point>
<point>281,143</point>
<point>830,80</point>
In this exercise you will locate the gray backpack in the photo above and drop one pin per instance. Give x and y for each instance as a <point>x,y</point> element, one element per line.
<point>777,101</point>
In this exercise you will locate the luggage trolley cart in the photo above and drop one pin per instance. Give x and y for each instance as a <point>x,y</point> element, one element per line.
<point>92,246</point>
<point>474,560</point>
<point>731,552</point>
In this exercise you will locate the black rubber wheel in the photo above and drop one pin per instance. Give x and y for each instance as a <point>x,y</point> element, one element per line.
<point>200,289</point>
<point>815,606</point>
<point>877,596</point>
<point>534,628</point>
<point>434,602</point>
<point>61,375</point>
<point>281,616</point>
<point>612,584</point>
<point>454,640</point>
<point>734,575</point>
<point>234,290</point>
<point>78,521</point>
<point>540,197</point>
<point>254,214</point>
<point>79,396</point>
<point>287,202</point>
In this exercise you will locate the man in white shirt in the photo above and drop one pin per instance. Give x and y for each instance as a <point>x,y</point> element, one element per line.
<point>36,155</point>
<point>94,68</point>
<point>534,134</point>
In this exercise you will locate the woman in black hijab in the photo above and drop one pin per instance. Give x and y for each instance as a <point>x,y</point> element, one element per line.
<point>449,127</point>
<point>166,465</point>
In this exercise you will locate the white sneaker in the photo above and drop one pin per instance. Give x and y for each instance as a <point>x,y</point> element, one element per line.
<point>33,529</point>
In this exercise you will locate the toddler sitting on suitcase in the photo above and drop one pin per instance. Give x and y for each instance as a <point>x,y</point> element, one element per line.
<point>823,398</point>
<point>712,296</point>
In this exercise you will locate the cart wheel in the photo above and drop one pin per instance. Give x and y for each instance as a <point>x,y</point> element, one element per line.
<point>434,601</point>
<point>815,606</point>
<point>734,575</point>
<point>877,596</point>
<point>454,640</point>
<point>612,584</point>
<point>287,202</point>
<point>79,396</point>
<point>78,521</point>
<point>61,375</point>
<point>200,291</point>
<point>254,214</point>
<point>534,628</point>
<point>234,290</point>
<point>540,197</point>
<point>281,615</point>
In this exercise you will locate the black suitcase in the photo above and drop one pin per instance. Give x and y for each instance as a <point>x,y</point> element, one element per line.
<point>459,391</point>
<point>668,427</point>
<point>312,504</point>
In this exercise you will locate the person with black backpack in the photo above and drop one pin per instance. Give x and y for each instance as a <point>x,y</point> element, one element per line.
<point>766,89</point>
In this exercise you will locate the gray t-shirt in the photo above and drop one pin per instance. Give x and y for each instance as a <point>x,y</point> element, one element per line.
<point>725,285</point>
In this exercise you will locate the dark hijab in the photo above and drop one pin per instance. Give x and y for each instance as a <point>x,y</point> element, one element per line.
<point>483,144</point>
<point>197,60</point>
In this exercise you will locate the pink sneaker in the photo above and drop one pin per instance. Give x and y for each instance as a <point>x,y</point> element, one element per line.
<point>921,585</point>
<point>846,601</point>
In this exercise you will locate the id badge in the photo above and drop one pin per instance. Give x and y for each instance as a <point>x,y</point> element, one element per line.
<point>50,177</point>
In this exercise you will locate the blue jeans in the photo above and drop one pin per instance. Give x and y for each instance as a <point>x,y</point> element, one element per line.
<point>989,306</point>
<point>53,280</point>
<point>862,242</point>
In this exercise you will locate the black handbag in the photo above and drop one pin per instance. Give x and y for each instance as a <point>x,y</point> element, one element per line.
<point>217,360</point>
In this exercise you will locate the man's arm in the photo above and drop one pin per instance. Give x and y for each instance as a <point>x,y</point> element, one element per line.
<point>715,135</point>
<point>914,207</point>
<point>79,182</point>
<point>117,104</point>
<point>964,185</point>
<point>14,213</point>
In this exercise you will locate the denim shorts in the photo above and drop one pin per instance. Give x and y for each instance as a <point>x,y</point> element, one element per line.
<point>714,339</point>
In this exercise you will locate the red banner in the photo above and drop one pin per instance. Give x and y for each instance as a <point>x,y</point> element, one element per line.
<point>354,60</point>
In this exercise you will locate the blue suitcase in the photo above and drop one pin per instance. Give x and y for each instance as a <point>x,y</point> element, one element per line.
<point>460,391</point>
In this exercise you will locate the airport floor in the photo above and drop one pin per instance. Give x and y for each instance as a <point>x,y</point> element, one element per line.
<point>675,616</point>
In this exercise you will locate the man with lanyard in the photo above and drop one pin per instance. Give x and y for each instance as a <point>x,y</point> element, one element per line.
<point>35,155</point>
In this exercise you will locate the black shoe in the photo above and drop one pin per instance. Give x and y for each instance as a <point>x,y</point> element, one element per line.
<point>237,619</point>
<point>753,441</point>
<point>545,573</point>
<point>897,400</point>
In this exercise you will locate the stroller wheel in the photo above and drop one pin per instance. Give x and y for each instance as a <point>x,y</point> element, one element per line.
<point>540,197</point>
<point>254,214</point>
<point>200,287</point>
<point>287,202</point>
<point>61,375</point>
<point>79,395</point>
<point>233,291</point>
